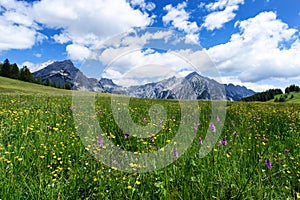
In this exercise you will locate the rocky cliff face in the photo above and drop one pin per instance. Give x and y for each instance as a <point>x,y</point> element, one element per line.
<point>193,86</point>
<point>64,72</point>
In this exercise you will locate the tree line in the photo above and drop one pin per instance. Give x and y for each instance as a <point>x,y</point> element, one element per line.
<point>263,96</point>
<point>13,71</point>
<point>271,93</point>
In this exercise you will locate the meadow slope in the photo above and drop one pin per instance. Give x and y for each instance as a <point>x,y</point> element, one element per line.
<point>42,155</point>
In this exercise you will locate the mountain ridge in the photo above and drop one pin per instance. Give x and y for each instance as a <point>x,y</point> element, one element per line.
<point>192,87</point>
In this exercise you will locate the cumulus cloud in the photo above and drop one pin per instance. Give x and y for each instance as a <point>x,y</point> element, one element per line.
<point>82,23</point>
<point>78,52</point>
<point>180,19</point>
<point>223,11</point>
<point>264,48</point>
<point>18,29</point>
<point>88,22</point>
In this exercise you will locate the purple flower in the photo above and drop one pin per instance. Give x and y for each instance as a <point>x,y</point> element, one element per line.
<point>100,112</point>
<point>223,142</point>
<point>212,127</point>
<point>268,163</point>
<point>151,138</point>
<point>175,152</point>
<point>200,141</point>
<point>286,150</point>
<point>100,142</point>
<point>264,139</point>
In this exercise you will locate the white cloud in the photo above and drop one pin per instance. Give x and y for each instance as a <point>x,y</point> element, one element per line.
<point>223,12</point>
<point>78,52</point>
<point>88,22</point>
<point>83,23</point>
<point>179,18</point>
<point>38,55</point>
<point>221,4</point>
<point>142,4</point>
<point>16,37</point>
<point>18,29</point>
<point>28,64</point>
<point>137,65</point>
<point>264,48</point>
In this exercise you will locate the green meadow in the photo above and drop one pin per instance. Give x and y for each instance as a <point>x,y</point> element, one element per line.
<point>42,155</point>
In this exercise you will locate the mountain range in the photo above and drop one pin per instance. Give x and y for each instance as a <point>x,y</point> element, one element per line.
<point>193,86</point>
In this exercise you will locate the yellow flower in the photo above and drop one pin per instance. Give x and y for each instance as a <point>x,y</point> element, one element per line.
<point>124,178</point>
<point>42,157</point>
<point>138,182</point>
<point>228,155</point>
<point>286,187</point>
<point>95,179</point>
<point>129,187</point>
<point>168,141</point>
<point>20,159</point>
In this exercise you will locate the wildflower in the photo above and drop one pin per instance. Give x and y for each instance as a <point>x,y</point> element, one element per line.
<point>286,150</point>
<point>200,141</point>
<point>144,120</point>
<point>138,182</point>
<point>175,152</point>
<point>268,163</point>
<point>129,187</point>
<point>100,112</point>
<point>235,134</point>
<point>212,127</point>
<point>223,142</point>
<point>100,142</point>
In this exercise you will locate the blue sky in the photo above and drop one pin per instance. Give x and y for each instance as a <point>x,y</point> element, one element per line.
<point>255,43</point>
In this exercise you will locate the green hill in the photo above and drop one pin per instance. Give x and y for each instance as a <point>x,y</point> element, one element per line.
<point>12,86</point>
<point>288,99</point>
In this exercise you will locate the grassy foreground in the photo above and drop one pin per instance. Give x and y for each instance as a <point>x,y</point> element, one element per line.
<point>42,155</point>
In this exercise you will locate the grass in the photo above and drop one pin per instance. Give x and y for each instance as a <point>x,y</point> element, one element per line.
<point>11,86</point>
<point>295,99</point>
<point>42,155</point>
